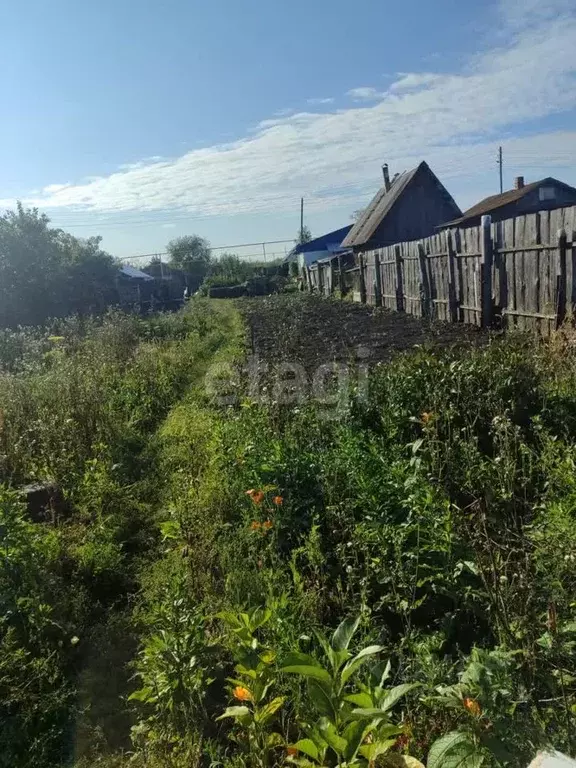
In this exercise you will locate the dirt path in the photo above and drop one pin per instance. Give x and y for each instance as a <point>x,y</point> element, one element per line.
<point>312,330</point>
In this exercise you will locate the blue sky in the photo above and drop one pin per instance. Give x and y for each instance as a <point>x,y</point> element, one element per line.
<point>144,121</point>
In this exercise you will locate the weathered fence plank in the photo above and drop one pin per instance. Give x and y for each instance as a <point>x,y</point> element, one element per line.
<point>520,272</point>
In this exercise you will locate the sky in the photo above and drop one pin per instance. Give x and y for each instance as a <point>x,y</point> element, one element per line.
<point>141,122</point>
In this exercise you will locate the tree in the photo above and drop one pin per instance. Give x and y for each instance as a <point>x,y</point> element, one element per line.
<point>45,272</point>
<point>90,273</point>
<point>232,267</point>
<point>191,254</point>
<point>304,236</point>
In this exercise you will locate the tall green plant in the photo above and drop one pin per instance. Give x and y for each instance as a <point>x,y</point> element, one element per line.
<point>353,725</point>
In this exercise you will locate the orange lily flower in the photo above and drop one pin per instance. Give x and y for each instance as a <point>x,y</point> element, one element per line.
<point>472,706</point>
<point>256,496</point>
<point>267,524</point>
<point>278,500</point>
<point>242,694</point>
<point>255,525</point>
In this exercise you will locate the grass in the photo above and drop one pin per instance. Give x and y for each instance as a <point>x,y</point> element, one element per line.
<point>435,515</point>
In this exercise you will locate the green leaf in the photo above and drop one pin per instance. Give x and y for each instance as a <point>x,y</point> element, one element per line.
<point>380,672</point>
<point>229,618</point>
<point>394,760</point>
<point>354,733</point>
<point>302,664</point>
<point>372,751</point>
<point>237,712</point>
<point>297,658</point>
<point>327,648</point>
<point>395,694</point>
<point>308,747</point>
<point>144,694</point>
<point>363,700</point>
<point>369,713</point>
<point>359,659</point>
<point>321,700</point>
<point>330,734</point>
<point>274,740</point>
<point>260,617</point>
<point>341,638</point>
<point>455,750</point>
<point>268,712</point>
<point>317,673</point>
<point>416,445</point>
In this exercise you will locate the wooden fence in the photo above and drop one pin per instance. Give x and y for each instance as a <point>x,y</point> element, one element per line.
<point>520,272</point>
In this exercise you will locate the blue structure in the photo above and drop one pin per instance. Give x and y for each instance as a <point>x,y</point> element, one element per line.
<point>320,248</point>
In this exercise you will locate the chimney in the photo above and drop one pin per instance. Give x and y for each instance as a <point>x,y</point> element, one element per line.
<point>518,182</point>
<point>386,177</point>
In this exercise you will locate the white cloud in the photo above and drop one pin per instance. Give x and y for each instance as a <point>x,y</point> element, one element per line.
<point>530,13</point>
<point>315,102</point>
<point>454,121</point>
<point>365,93</point>
<point>411,81</point>
<point>53,188</point>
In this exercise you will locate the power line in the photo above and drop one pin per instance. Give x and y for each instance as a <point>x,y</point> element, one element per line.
<point>223,248</point>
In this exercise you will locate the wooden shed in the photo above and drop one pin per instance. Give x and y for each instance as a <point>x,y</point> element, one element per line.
<point>410,207</point>
<point>544,195</point>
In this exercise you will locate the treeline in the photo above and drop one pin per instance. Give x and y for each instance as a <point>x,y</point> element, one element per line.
<point>193,256</point>
<point>46,272</point>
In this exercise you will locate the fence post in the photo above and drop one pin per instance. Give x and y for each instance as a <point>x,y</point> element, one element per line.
<point>452,299</point>
<point>424,282</point>
<point>561,279</point>
<point>362,279</point>
<point>399,280</point>
<point>340,276</point>
<point>332,273</point>
<point>486,246</point>
<point>377,280</point>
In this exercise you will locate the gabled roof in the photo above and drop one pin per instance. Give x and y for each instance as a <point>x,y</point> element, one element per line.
<point>511,196</point>
<point>136,274</point>
<point>383,202</point>
<point>331,241</point>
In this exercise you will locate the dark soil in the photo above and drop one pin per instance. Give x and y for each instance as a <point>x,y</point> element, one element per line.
<point>312,330</point>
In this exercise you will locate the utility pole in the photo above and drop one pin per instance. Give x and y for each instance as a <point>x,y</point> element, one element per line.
<point>499,161</point>
<point>301,219</point>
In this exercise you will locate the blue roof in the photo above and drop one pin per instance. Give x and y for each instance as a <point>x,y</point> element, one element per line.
<point>330,242</point>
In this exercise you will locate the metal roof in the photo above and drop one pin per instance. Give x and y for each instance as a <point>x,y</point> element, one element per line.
<point>328,242</point>
<point>497,201</point>
<point>136,274</point>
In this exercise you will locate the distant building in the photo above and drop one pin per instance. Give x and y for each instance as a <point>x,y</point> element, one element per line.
<point>543,195</point>
<point>409,207</point>
<point>134,286</point>
<point>321,247</point>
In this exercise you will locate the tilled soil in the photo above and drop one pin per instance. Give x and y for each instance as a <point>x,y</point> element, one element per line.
<point>312,330</point>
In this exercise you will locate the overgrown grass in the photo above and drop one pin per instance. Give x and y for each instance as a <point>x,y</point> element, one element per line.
<point>438,511</point>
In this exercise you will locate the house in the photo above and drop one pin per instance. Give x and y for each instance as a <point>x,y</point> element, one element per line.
<point>171,282</point>
<point>320,248</point>
<point>543,195</point>
<point>134,286</point>
<point>409,207</point>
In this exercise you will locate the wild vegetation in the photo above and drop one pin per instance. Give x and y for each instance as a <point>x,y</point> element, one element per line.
<point>45,272</point>
<point>245,579</point>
